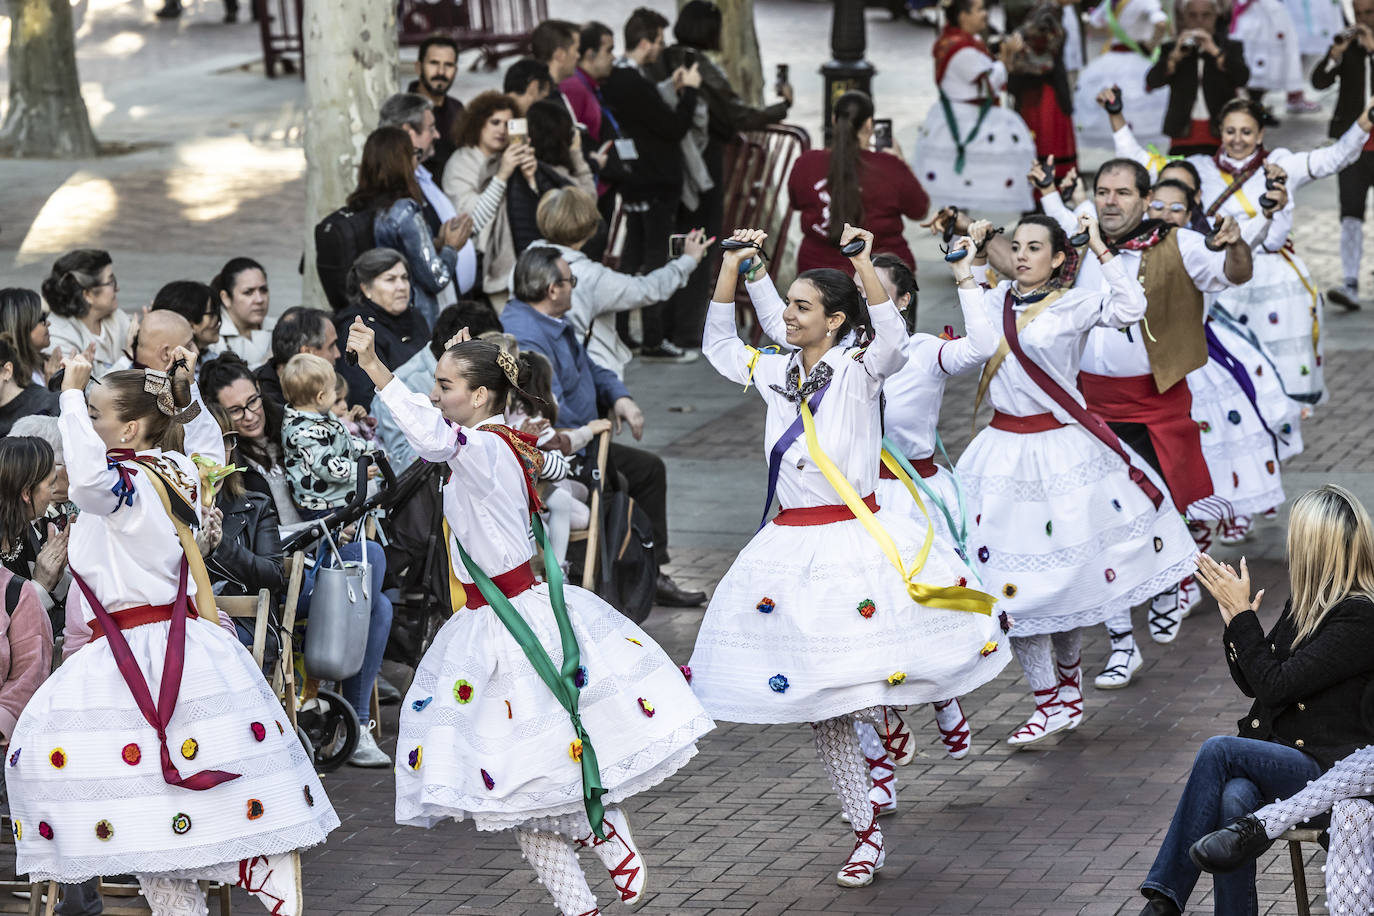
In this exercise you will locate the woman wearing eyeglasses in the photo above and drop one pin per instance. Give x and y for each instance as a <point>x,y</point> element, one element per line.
<point>83,293</point>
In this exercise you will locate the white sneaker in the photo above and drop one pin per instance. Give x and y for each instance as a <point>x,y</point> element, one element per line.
<point>275,881</point>
<point>621,857</point>
<point>367,753</point>
<point>866,860</point>
<point>1166,615</point>
<point>668,352</point>
<point>1122,665</point>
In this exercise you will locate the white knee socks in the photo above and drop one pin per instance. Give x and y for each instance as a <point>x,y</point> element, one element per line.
<point>1352,243</point>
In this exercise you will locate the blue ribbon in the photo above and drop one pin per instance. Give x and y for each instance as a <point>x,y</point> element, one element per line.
<point>1227,360</point>
<point>784,442</point>
<point>958,532</point>
<point>124,487</point>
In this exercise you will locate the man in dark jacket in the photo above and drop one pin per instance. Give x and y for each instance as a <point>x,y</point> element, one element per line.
<point>650,147</point>
<point>543,284</point>
<point>436,65</point>
<point>1350,59</point>
<point>299,330</point>
<point>1203,70</point>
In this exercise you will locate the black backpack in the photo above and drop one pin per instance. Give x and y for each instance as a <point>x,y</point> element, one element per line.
<point>339,238</point>
<point>627,573</point>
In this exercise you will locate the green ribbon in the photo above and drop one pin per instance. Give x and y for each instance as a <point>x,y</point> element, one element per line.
<point>1120,34</point>
<point>960,531</point>
<point>953,123</point>
<point>562,682</point>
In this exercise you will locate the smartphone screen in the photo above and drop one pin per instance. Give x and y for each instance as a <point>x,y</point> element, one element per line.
<point>517,131</point>
<point>676,245</point>
<point>882,133</point>
<point>780,78</point>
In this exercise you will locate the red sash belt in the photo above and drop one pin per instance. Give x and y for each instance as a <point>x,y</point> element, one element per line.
<point>512,583</point>
<point>924,466</point>
<point>1035,423</point>
<point>820,515</point>
<point>1199,133</point>
<point>1167,416</point>
<point>132,617</point>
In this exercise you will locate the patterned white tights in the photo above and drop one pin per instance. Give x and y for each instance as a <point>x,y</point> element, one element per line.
<point>178,893</point>
<point>1067,648</point>
<point>837,745</point>
<point>554,860</point>
<point>1037,660</point>
<point>1350,863</point>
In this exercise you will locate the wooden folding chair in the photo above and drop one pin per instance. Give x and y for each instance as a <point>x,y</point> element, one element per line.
<point>1295,838</point>
<point>592,533</point>
<point>284,678</point>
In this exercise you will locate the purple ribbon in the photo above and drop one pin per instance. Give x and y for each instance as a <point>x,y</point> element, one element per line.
<point>1227,360</point>
<point>782,445</point>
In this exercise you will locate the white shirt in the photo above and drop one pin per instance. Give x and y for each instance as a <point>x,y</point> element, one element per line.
<point>848,425</point>
<point>961,82</point>
<point>72,335</point>
<point>255,347</point>
<point>1137,19</point>
<point>128,554</point>
<point>912,394</point>
<point>1054,340</point>
<point>1121,353</point>
<point>485,502</point>
<point>465,277</point>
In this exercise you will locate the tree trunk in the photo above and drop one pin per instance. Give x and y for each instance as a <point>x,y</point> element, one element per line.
<point>350,69</point>
<point>47,117</point>
<point>739,49</point>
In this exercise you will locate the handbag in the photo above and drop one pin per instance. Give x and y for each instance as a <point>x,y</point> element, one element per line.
<point>340,610</point>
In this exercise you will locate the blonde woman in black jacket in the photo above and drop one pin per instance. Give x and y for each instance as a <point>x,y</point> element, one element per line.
<point>1308,676</point>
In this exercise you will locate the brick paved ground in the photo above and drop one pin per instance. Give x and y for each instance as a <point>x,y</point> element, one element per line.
<point>749,827</point>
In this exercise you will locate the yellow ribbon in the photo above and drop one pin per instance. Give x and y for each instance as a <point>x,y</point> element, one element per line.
<point>457,595</point>
<point>754,354</point>
<point>952,598</point>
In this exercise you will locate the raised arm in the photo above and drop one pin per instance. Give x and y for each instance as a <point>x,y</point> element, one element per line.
<point>980,335</point>
<point>888,352</point>
<point>1124,303</point>
<point>91,481</point>
<point>203,434</point>
<point>1326,160</point>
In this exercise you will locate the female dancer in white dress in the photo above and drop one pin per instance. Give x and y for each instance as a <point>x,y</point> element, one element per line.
<point>911,411</point>
<point>812,623</point>
<point>1068,533</point>
<point>1136,27</point>
<point>972,152</point>
<point>1271,43</point>
<point>157,748</point>
<point>537,702</point>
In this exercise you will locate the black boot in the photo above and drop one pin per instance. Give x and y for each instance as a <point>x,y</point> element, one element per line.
<point>1232,846</point>
<point>231,10</point>
<point>1159,904</point>
<point>171,9</point>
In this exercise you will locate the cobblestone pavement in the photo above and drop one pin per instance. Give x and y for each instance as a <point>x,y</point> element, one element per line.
<point>750,826</point>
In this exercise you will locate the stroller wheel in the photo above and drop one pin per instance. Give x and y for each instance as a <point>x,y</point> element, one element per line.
<point>330,729</point>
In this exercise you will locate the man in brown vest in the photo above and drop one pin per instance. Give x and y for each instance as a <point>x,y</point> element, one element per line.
<point>1135,378</point>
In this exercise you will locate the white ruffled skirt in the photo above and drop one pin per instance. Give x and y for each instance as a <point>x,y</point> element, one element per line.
<point>1282,413</point>
<point>995,163</point>
<point>482,737</point>
<point>85,783</point>
<point>1063,537</point>
<point>1240,453</point>
<point>814,622</point>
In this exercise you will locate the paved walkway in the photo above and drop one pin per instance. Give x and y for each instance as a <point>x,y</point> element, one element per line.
<point>749,827</point>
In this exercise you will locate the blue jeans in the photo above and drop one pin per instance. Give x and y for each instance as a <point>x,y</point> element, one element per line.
<point>357,690</point>
<point>1230,777</point>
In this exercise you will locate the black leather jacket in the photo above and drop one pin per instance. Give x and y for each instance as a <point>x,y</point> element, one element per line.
<point>248,557</point>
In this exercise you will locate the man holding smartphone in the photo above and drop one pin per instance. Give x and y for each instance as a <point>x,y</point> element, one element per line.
<point>1349,60</point>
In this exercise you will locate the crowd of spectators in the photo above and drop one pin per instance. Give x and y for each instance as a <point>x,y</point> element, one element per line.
<point>489,214</point>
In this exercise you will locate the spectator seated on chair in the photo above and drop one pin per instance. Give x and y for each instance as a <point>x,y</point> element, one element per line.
<point>244,328</point>
<point>33,546</point>
<point>379,287</point>
<point>20,395</point>
<point>1308,676</point>
<point>155,336</point>
<point>543,287</point>
<point>298,330</point>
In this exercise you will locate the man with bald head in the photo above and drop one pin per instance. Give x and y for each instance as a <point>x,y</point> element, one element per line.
<point>158,333</point>
<point>1204,69</point>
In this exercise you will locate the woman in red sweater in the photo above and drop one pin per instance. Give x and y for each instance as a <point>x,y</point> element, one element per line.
<point>849,183</point>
